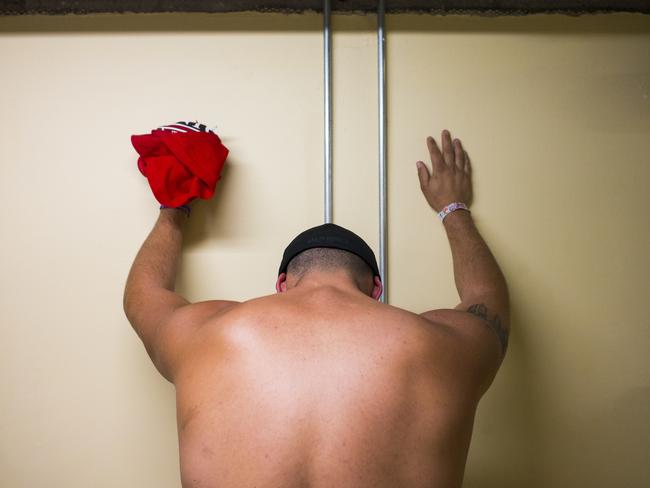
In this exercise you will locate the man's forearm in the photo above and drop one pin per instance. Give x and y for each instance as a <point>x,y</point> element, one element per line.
<point>157,261</point>
<point>476,272</point>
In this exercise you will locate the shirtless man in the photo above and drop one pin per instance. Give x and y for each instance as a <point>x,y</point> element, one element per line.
<point>320,385</point>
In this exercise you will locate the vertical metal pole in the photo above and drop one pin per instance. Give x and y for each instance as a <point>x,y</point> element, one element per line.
<point>327,88</point>
<point>381,75</point>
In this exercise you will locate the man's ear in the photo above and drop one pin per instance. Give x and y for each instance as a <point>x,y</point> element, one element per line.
<point>281,284</point>
<point>378,289</point>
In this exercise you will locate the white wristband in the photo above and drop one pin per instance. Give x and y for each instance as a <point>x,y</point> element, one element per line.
<point>452,207</point>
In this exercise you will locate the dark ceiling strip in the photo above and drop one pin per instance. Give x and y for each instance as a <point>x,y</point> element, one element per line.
<point>440,7</point>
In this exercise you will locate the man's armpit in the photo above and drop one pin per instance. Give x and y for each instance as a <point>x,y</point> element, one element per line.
<point>480,310</point>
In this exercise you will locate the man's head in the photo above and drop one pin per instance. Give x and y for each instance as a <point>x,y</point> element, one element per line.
<point>330,248</point>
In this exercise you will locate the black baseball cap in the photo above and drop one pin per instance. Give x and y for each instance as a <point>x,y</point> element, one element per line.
<point>332,236</point>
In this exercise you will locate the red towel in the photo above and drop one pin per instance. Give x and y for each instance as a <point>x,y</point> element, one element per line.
<point>182,162</point>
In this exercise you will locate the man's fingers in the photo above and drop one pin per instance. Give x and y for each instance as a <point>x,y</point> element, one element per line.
<point>468,166</point>
<point>447,149</point>
<point>436,155</point>
<point>459,155</point>
<point>423,174</point>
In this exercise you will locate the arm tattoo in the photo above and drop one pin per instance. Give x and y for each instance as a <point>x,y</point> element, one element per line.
<point>494,324</point>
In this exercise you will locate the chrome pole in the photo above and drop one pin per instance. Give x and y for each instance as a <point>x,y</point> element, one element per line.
<point>327,88</point>
<point>381,75</point>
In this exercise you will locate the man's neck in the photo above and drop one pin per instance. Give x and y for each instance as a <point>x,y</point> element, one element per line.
<point>335,279</point>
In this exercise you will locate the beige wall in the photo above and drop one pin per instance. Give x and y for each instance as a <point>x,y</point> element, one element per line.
<point>555,115</point>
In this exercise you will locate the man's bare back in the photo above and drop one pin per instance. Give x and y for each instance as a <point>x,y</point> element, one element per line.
<point>321,388</point>
<point>320,385</point>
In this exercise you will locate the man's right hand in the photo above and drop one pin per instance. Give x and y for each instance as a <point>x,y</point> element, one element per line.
<point>451,179</point>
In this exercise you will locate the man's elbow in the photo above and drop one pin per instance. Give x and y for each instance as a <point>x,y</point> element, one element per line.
<point>127,300</point>
<point>136,290</point>
<point>130,306</point>
<point>498,295</point>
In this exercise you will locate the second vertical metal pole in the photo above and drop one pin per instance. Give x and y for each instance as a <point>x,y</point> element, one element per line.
<point>381,75</point>
<point>327,88</point>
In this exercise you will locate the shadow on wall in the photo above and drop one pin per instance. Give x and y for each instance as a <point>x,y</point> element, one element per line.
<point>509,445</point>
<point>209,220</point>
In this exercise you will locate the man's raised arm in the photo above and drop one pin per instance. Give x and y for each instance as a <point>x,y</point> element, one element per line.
<point>479,280</point>
<point>162,318</point>
<point>149,297</point>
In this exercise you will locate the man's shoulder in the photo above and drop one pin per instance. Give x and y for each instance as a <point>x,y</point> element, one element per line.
<point>224,311</point>
<point>198,313</point>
